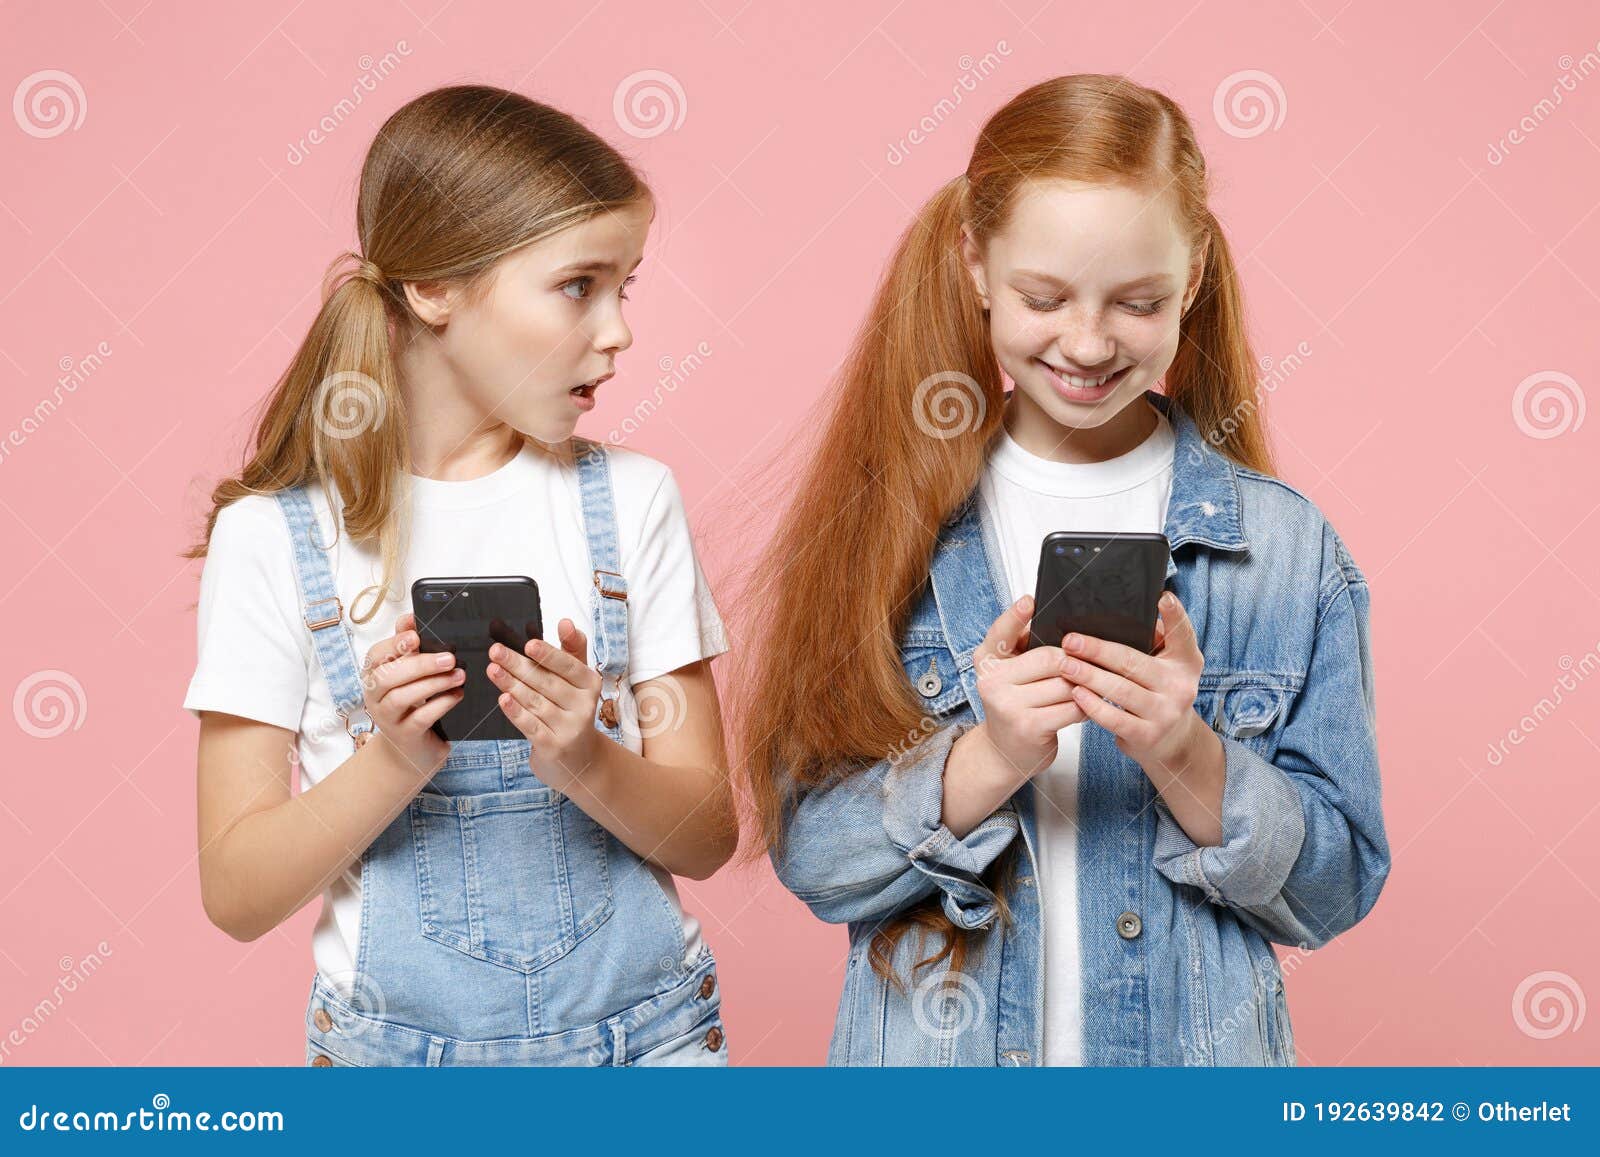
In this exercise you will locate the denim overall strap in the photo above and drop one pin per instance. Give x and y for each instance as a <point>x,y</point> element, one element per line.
<point>323,612</point>
<point>609,640</point>
<point>968,578</point>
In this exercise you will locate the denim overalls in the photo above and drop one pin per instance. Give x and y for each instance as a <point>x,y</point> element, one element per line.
<point>1175,939</point>
<point>500,925</point>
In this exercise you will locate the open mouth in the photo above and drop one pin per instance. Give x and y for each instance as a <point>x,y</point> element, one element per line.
<point>586,391</point>
<point>1073,384</point>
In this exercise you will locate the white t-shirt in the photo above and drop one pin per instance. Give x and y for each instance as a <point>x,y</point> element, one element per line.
<point>1027,497</point>
<point>255,656</point>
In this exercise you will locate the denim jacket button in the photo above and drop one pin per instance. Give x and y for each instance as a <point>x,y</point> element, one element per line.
<point>929,684</point>
<point>714,1038</point>
<point>322,1020</point>
<point>708,986</point>
<point>1129,925</point>
<point>322,1062</point>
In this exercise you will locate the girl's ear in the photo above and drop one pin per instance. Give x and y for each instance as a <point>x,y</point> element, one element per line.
<point>972,258</point>
<point>431,301</point>
<point>1197,271</point>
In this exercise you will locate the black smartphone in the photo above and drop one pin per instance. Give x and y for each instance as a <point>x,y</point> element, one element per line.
<point>1107,586</point>
<point>465,616</point>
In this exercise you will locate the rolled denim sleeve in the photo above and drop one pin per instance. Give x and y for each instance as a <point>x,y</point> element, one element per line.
<point>1303,853</point>
<point>869,844</point>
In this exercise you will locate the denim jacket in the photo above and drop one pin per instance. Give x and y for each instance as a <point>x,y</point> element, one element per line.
<point>1176,940</point>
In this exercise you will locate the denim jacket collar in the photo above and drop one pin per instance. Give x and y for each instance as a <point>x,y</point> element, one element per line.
<point>1204,506</point>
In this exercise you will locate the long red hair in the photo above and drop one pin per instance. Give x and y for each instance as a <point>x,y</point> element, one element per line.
<point>825,692</point>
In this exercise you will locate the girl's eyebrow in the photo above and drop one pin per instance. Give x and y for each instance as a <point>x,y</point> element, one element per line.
<point>1162,279</point>
<point>592,266</point>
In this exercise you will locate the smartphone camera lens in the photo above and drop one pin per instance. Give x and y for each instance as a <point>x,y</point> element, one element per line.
<point>1077,552</point>
<point>1060,549</point>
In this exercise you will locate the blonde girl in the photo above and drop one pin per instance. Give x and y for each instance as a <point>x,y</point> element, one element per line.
<point>484,902</point>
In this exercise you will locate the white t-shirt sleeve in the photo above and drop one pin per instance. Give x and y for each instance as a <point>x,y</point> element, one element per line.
<point>672,617</point>
<point>253,648</point>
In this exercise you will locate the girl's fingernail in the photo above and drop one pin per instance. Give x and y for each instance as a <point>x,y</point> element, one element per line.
<point>458,675</point>
<point>446,660</point>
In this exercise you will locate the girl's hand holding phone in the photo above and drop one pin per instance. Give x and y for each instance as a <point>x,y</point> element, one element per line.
<point>550,694</point>
<point>406,692</point>
<point>1026,698</point>
<point>1153,717</point>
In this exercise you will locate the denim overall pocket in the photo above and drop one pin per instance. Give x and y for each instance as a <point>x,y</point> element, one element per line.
<point>514,878</point>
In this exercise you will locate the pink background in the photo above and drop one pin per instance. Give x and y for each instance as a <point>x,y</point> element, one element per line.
<point>1427,279</point>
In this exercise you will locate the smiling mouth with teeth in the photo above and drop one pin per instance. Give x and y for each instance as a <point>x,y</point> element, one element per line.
<point>1081,383</point>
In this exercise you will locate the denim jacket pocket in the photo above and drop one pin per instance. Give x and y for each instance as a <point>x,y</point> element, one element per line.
<point>1272,1019</point>
<point>1250,706</point>
<point>514,878</point>
<point>931,668</point>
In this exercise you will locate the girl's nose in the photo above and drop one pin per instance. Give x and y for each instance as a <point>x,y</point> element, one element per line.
<point>614,335</point>
<point>1087,346</point>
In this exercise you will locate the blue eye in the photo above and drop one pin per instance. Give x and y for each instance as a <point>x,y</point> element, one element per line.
<point>584,282</point>
<point>623,292</point>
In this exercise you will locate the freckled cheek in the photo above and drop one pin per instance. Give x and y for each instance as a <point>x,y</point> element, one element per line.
<point>1152,350</point>
<point>1018,339</point>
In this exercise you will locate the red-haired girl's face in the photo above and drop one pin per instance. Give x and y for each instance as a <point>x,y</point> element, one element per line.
<point>1085,285</point>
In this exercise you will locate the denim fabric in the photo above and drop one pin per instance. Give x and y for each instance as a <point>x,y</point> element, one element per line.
<point>1177,960</point>
<point>499,923</point>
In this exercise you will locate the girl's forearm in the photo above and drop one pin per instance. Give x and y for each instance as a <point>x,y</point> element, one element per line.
<point>678,817</point>
<point>977,780</point>
<point>269,864</point>
<point>1191,782</point>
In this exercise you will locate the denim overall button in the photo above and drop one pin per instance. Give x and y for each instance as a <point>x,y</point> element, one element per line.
<point>708,986</point>
<point>608,712</point>
<point>322,1062</point>
<point>1129,925</point>
<point>322,1020</point>
<point>714,1038</point>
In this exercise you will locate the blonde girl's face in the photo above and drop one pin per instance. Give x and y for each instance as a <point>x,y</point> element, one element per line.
<point>540,345</point>
<point>1085,285</point>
